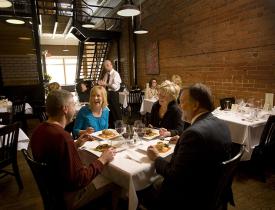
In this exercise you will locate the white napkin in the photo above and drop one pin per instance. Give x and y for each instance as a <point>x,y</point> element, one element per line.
<point>134,156</point>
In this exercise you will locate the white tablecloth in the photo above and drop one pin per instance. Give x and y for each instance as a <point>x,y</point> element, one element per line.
<point>28,108</point>
<point>23,139</point>
<point>146,105</point>
<point>243,131</point>
<point>123,99</point>
<point>128,173</point>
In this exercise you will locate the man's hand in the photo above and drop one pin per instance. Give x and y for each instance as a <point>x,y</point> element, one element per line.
<point>174,139</point>
<point>82,139</point>
<point>107,156</point>
<point>152,153</point>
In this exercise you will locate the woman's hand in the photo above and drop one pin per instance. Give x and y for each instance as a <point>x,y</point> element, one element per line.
<point>88,131</point>
<point>163,132</point>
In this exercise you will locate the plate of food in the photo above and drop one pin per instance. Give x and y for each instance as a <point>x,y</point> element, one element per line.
<point>106,134</point>
<point>102,147</point>
<point>162,147</point>
<point>151,133</point>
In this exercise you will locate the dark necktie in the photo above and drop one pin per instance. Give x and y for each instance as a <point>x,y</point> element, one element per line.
<point>108,79</point>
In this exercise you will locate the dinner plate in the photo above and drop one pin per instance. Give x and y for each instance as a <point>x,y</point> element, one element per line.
<point>99,133</point>
<point>155,133</point>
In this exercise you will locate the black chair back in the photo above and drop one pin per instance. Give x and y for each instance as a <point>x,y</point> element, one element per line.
<point>52,197</point>
<point>41,112</point>
<point>223,102</point>
<point>18,114</point>
<point>8,151</point>
<point>224,192</point>
<point>263,154</point>
<point>135,100</point>
<point>5,118</point>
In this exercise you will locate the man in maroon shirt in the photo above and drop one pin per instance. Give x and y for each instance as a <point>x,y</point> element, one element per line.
<point>51,144</point>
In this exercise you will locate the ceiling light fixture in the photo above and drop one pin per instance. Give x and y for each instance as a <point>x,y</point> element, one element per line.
<point>15,21</point>
<point>5,4</point>
<point>128,9</point>
<point>24,38</point>
<point>88,25</point>
<point>140,29</point>
<point>65,50</point>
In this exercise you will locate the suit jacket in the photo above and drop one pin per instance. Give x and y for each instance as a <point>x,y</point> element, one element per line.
<point>190,178</point>
<point>171,119</point>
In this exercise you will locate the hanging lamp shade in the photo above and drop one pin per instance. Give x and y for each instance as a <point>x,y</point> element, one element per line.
<point>141,30</point>
<point>88,25</point>
<point>128,10</point>
<point>5,4</point>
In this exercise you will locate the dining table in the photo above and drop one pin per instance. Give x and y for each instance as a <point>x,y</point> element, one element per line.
<point>244,128</point>
<point>131,168</point>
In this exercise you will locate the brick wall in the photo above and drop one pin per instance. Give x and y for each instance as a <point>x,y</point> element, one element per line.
<point>19,70</point>
<point>228,45</point>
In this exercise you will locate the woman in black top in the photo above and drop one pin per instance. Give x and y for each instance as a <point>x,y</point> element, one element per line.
<point>165,113</point>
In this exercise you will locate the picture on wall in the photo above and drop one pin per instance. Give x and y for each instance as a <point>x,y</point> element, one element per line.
<point>152,58</point>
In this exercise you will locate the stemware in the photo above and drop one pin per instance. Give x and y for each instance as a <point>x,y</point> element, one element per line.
<point>140,130</point>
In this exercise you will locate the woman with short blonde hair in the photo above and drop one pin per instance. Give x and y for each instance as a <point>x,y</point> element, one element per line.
<point>177,80</point>
<point>165,113</point>
<point>95,116</point>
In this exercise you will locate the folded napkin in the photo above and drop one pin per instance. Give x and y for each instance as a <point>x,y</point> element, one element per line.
<point>136,156</point>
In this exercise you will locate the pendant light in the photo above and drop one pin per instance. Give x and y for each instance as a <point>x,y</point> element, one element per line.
<point>128,9</point>
<point>5,4</point>
<point>140,29</point>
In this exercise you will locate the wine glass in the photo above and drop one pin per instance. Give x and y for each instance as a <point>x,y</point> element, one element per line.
<point>119,126</point>
<point>140,129</point>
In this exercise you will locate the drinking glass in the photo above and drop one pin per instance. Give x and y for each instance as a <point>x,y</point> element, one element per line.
<point>140,129</point>
<point>227,105</point>
<point>119,126</point>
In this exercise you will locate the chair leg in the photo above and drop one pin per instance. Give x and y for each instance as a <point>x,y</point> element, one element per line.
<point>17,175</point>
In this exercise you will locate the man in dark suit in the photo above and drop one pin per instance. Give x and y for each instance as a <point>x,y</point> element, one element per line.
<point>191,177</point>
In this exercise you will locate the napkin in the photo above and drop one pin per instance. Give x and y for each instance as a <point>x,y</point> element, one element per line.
<point>134,156</point>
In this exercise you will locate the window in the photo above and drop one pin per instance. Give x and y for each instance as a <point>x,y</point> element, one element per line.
<point>62,69</point>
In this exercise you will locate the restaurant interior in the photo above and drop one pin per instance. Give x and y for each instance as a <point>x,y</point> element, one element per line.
<point>227,45</point>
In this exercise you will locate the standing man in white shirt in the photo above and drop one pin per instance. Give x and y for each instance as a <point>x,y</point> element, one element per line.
<point>111,81</point>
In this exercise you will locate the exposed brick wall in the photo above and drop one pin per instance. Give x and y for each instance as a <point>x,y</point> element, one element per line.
<point>227,45</point>
<point>19,70</point>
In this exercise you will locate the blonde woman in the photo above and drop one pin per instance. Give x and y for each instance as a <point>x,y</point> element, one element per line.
<point>95,116</point>
<point>54,86</point>
<point>165,113</point>
<point>177,80</point>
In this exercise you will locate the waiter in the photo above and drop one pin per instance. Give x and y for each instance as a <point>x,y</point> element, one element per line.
<point>111,81</point>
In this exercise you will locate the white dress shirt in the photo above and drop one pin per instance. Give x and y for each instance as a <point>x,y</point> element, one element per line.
<point>114,81</point>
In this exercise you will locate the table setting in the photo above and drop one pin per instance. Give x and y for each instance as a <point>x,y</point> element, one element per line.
<point>131,168</point>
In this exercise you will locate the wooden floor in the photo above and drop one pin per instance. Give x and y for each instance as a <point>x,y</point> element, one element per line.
<point>249,193</point>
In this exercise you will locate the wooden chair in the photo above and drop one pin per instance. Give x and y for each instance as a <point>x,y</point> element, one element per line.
<point>51,195</point>
<point>8,151</point>
<point>18,114</point>
<point>134,101</point>
<point>223,102</point>
<point>5,118</point>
